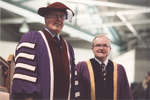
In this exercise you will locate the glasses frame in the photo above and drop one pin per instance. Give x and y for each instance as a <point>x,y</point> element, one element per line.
<point>56,16</point>
<point>102,45</point>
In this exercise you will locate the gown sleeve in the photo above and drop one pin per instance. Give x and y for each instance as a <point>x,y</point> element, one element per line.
<point>25,78</point>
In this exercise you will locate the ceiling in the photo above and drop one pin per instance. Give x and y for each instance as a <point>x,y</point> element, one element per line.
<point>126,21</point>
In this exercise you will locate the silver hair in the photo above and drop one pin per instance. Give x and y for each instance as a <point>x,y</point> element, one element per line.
<point>100,36</point>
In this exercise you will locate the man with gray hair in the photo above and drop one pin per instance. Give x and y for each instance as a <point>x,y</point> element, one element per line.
<point>100,78</point>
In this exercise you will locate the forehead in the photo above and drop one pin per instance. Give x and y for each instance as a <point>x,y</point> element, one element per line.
<point>102,40</point>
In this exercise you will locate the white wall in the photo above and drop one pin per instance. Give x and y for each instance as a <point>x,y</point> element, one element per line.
<point>7,48</point>
<point>128,61</point>
<point>82,54</point>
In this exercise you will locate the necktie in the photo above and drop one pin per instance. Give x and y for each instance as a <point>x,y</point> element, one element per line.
<point>58,42</point>
<point>103,71</point>
<point>56,38</point>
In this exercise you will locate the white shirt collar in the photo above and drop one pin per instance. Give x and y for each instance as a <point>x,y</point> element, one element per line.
<point>53,35</point>
<point>105,62</point>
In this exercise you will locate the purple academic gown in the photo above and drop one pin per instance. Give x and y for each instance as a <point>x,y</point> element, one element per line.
<point>121,90</point>
<point>34,67</point>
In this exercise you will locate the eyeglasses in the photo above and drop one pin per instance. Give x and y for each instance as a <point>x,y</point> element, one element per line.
<point>56,16</point>
<point>102,45</point>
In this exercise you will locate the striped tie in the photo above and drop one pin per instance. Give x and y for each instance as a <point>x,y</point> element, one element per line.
<point>103,71</point>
